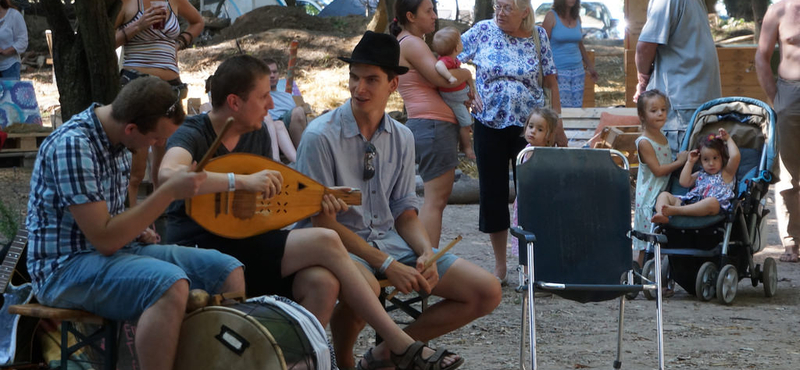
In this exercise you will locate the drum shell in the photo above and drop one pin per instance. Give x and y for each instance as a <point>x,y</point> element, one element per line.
<point>242,336</point>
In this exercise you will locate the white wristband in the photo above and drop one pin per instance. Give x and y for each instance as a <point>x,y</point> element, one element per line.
<point>386,264</point>
<point>231,181</point>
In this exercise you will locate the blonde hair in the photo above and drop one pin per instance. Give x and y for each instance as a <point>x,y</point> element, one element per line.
<point>550,117</point>
<point>529,22</point>
<point>445,41</point>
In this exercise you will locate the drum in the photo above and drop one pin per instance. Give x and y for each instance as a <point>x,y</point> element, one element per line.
<point>266,333</point>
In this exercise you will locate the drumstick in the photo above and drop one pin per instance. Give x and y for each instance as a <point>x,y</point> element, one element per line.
<point>214,146</point>
<point>431,261</point>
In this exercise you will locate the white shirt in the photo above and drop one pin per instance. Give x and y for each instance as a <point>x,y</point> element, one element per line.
<point>12,33</point>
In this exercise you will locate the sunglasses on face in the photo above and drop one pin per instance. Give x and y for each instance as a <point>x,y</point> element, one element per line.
<point>369,157</point>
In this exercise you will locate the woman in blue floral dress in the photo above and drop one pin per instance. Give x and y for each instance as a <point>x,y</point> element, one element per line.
<point>503,50</point>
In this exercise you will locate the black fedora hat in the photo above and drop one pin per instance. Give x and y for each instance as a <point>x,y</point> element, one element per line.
<point>377,49</point>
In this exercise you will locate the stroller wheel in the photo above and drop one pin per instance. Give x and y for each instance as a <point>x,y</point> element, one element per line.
<point>756,275</point>
<point>705,284</point>
<point>624,281</point>
<point>727,284</point>
<point>649,274</point>
<point>770,277</point>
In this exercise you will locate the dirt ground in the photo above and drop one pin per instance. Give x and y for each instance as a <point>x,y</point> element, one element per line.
<point>753,333</point>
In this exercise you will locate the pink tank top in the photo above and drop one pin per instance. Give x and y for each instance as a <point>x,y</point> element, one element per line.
<point>422,99</point>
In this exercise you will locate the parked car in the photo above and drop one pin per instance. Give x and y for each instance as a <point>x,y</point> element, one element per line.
<point>596,20</point>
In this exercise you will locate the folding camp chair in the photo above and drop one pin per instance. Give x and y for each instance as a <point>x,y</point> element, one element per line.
<point>574,214</point>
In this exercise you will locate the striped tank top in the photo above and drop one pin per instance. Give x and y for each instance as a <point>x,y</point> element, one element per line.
<point>152,48</point>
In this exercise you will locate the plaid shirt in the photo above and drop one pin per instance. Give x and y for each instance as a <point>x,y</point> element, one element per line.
<point>76,164</point>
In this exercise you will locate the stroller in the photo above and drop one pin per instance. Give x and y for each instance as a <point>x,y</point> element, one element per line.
<point>708,256</point>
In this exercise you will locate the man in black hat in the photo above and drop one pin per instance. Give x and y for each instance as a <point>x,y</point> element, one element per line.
<point>358,145</point>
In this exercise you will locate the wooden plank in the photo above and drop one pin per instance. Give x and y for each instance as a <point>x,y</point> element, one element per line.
<point>59,314</point>
<point>594,113</point>
<point>24,142</point>
<point>635,16</point>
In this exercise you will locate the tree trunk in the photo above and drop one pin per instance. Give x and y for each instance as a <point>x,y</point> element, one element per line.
<point>483,10</point>
<point>759,9</point>
<point>711,6</point>
<point>84,74</point>
<point>741,9</point>
<point>380,19</point>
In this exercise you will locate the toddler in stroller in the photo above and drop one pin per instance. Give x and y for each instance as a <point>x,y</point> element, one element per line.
<point>712,186</point>
<point>709,253</point>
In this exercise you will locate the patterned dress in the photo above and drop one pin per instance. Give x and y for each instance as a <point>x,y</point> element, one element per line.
<point>648,186</point>
<point>708,185</point>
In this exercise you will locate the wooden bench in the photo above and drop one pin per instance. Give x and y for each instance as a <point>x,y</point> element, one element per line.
<point>580,124</point>
<point>104,339</point>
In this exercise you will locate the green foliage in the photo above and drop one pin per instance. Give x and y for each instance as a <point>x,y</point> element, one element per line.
<point>340,24</point>
<point>9,221</point>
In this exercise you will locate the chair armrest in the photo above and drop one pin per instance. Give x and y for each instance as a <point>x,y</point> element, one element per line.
<point>523,235</point>
<point>648,237</point>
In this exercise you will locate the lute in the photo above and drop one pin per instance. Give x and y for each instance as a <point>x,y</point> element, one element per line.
<point>241,214</point>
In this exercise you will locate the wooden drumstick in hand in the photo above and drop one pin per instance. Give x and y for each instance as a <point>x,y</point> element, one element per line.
<point>431,261</point>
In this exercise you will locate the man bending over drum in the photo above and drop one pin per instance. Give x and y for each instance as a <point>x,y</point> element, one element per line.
<point>309,265</point>
<point>87,252</point>
<point>359,145</point>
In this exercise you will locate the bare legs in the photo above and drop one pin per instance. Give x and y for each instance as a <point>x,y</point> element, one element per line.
<point>670,205</point>
<point>138,169</point>
<point>297,125</point>
<point>499,241</point>
<point>465,141</point>
<point>469,292</point>
<point>316,289</point>
<point>437,191</point>
<point>160,324</point>
<point>321,247</point>
<point>280,140</point>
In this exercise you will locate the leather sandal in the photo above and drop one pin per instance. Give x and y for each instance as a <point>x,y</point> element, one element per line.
<point>373,363</point>
<point>412,359</point>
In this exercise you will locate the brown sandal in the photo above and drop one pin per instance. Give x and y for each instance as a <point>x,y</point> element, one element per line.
<point>373,363</point>
<point>412,359</point>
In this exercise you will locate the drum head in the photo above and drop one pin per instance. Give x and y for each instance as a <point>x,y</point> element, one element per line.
<point>219,337</point>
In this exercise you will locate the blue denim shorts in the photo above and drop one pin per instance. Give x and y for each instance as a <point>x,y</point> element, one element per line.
<point>122,286</point>
<point>410,259</point>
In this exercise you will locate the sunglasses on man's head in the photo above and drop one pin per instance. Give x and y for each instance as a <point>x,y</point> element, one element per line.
<point>369,156</point>
<point>172,108</point>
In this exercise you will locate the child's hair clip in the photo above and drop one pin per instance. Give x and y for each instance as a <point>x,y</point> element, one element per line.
<point>712,136</point>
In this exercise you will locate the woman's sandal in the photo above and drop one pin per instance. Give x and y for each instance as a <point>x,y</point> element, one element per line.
<point>373,363</point>
<point>412,359</point>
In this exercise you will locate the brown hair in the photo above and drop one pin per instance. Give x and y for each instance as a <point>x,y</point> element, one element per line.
<point>144,101</point>
<point>641,104</point>
<point>550,117</point>
<point>401,7</point>
<point>560,7</point>
<point>445,41</point>
<point>716,143</point>
<point>236,75</point>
